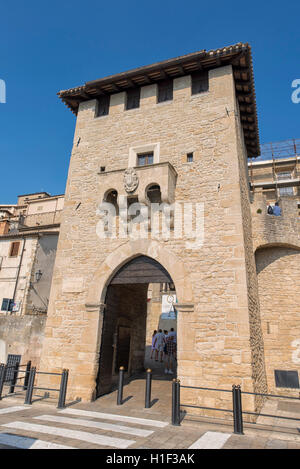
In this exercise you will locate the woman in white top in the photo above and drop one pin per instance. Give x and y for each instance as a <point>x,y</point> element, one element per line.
<point>159,343</point>
<point>153,346</point>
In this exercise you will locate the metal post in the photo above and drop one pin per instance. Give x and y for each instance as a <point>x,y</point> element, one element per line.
<point>14,378</point>
<point>26,377</point>
<point>120,387</point>
<point>148,388</point>
<point>2,377</point>
<point>176,402</point>
<point>29,392</point>
<point>63,389</point>
<point>237,410</point>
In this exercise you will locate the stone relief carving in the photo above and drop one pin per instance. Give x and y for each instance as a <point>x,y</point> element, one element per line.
<point>131,180</point>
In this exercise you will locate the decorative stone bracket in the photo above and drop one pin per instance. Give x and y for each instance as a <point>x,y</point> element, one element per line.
<point>95,307</point>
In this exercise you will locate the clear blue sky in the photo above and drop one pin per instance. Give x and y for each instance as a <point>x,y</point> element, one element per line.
<point>49,46</point>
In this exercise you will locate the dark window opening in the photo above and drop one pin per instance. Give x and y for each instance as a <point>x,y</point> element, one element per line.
<point>154,194</point>
<point>165,91</point>
<point>103,106</point>
<point>189,157</point>
<point>7,304</point>
<point>144,159</point>
<point>112,198</point>
<point>133,98</point>
<point>133,212</point>
<point>199,82</point>
<point>14,249</point>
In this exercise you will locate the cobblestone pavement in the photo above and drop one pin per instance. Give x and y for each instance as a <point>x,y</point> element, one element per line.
<point>103,424</point>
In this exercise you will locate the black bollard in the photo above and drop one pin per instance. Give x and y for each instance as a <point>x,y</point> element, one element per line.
<point>148,389</point>
<point>30,387</point>
<point>120,387</point>
<point>14,378</point>
<point>237,410</point>
<point>63,389</point>
<point>176,402</point>
<point>28,366</point>
<point>2,378</point>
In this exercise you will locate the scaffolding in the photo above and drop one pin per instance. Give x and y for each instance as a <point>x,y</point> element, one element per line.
<point>278,150</point>
<point>277,154</point>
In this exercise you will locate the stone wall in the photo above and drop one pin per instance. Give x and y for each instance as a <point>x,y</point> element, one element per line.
<point>270,230</point>
<point>278,270</point>
<point>255,330</point>
<point>22,335</point>
<point>38,292</point>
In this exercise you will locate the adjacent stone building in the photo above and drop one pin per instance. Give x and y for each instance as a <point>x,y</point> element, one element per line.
<point>28,241</point>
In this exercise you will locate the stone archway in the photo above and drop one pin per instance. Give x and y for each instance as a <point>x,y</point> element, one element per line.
<point>175,266</point>
<point>109,285</point>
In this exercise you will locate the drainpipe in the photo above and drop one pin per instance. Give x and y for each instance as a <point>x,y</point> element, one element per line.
<point>19,269</point>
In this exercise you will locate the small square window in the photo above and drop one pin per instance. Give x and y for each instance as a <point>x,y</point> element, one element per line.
<point>190,157</point>
<point>200,82</point>
<point>103,106</point>
<point>144,159</point>
<point>165,91</point>
<point>133,98</point>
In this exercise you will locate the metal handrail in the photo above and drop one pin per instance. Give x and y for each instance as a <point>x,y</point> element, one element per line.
<point>237,404</point>
<point>29,378</point>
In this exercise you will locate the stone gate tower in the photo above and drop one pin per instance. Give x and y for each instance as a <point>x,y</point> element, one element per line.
<point>177,133</point>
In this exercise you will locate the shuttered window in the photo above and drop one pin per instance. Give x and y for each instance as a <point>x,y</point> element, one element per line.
<point>165,91</point>
<point>200,82</point>
<point>133,98</point>
<point>14,249</point>
<point>103,106</point>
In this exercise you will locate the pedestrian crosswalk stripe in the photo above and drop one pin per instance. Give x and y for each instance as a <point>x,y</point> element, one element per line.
<point>73,434</point>
<point>8,410</point>
<point>23,442</point>
<point>101,425</point>
<point>119,418</point>
<point>211,440</point>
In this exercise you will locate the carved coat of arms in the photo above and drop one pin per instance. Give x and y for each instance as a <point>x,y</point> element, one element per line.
<point>131,180</point>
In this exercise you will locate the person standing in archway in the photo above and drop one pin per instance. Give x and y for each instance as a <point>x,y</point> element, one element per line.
<point>153,344</point>
<point>170,354</point>
<point>159,343</point>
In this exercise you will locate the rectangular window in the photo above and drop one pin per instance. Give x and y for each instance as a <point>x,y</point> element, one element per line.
<point>14,249</point>
<point>165,91</point>
<point>189,157</point>
<point>103,106</point>
<point>199,82</point>
<point>133,98</point>
<point>7,304</point>
<point>144,159</point>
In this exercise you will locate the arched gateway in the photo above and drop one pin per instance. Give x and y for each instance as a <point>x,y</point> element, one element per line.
<point>123,338</point>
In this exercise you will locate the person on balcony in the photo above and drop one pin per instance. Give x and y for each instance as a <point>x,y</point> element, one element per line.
<point>276,210</point>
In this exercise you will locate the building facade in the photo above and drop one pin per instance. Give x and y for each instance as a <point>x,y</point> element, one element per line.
<point>185,126</point>
<point>28,241</point>
<point>163,188</point>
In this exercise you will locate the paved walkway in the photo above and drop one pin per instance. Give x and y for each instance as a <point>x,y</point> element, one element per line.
<point>103,424</point>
